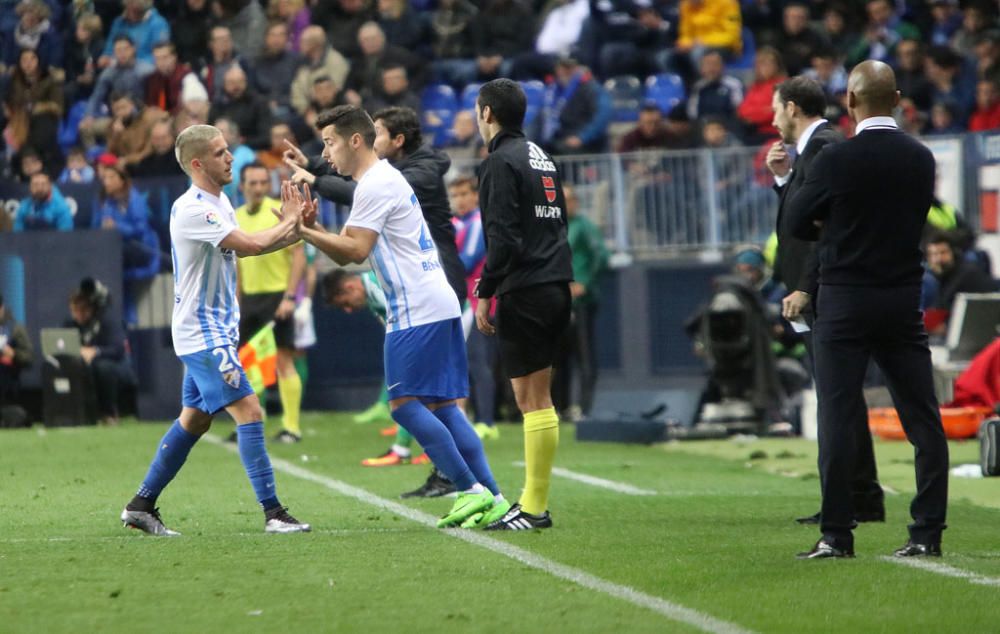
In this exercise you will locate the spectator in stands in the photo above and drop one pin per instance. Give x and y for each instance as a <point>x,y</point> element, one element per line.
<point>987,113</point>
<point>365,79</point>
<point>953,274</point>
<point>82,55</point>
<point>755,112</point>
<point>394,91</point>
<point>988,55</point>
<point>577,355</point>
<point>246,23</point>
<point>126,75</point>
<point>33,107</point>
<point>77,171</point>
<point>325,95</point>
<point>342,20</point>
<point>319,60</point>
<point>194,104</point>
<point>944,119</point>
<point>838,30</point>
<point>222,57</point>
<point>501,31</point>
<point>451,42</point>
<point>245,108</point>
<point>44,209</point>
<point>975,21</point>
<point>911,75</point>
<point>161,161</point>
<point>275,69</point>
<point>715,93</point>
<point>947,19</point>
<point>882,33</point>
<point>163,87</point>
<point>944,70</point>
<point>465,142</point>
<point>294,14</point>
<point>124,209</point>
<point>102,350</point>
<point>132,122</point>
<point>143,25</point>
<point>577,111</point>
<point>242,155</point>
<point>557,38</point>
<point>404,27</point>
<point>798,41</point>
<point>16,354</point>
<point>190,31</point>
<point>30,163</point>
<point>272,159</point>
<point>35,32</point>
<point>706,25</point>
<point>829,74</point>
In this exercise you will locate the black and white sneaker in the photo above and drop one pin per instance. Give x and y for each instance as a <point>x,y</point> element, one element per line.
<point>287,437</point>
<point>436,486</point>
<point>518,520</point>
<point>147,521</point>
<point>280,521</point>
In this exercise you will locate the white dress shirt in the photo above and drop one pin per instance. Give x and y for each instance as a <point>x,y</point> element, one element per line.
<point>876,123</point>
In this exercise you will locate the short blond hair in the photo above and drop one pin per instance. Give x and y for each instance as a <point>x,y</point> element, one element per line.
<point>193,143</point>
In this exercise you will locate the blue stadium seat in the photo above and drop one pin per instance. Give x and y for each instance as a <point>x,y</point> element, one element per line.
<point>68,134</point>
<point>534,90</point>
<point>626,97</point>
<point>469,95</point>
<point>665,90</point>
<point>746,60</point>
<point>439,105</point>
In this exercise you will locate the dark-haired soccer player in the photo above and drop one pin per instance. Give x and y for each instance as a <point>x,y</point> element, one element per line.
<point>529,266</point>
<point>426,369</point>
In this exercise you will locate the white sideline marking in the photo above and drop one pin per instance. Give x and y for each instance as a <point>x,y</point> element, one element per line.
<point>130,535</point>
<point>944,570</point>
<point>618,487</point>
<point>666,608</point>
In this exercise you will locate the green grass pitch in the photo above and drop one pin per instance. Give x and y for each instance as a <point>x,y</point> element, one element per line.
<point>716,541</point>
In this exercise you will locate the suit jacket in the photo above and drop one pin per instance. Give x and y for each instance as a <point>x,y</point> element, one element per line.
<point>872,194</point>
<point>796,264</point>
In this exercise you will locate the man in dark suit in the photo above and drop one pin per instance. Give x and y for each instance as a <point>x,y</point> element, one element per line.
<point>798,105</point>
<point>866,201</point>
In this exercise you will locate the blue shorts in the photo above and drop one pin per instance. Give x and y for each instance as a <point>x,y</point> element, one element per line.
<point>213,379</point>
<point>428,362</point>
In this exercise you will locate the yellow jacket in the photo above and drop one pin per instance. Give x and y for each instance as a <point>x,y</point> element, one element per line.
<point>712,23</point>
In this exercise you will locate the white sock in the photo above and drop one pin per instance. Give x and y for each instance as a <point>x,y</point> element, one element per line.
<point>498,498</point>
<point>401,451</point>
<point>475,489</point>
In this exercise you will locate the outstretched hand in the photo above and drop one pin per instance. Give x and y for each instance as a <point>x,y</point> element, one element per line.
<point>292,203</point>
<point>299,173</point>
<point>293,155</point>
<point>310,208</point>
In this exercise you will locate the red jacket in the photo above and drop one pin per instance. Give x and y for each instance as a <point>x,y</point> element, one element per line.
<point>165,92</point>
<point>985,119</point>
<point>756,106</point>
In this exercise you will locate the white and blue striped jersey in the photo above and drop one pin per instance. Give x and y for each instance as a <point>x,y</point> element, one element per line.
<point>206,313</point>
<point>404,257</point>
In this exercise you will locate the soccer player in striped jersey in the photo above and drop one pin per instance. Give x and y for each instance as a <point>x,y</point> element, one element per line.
<point>426,369</point>
<point>205,242</point>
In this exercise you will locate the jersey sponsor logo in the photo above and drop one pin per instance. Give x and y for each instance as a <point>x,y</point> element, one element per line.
<point>546,211</point>
<point>539,160</point>
<point>430,265</point>
<point>549,184</point>
<point>212,218</point>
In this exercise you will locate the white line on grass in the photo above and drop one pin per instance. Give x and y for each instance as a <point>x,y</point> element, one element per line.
<point>666,608</point>
<point>618,487</point>
<point>945,570</point>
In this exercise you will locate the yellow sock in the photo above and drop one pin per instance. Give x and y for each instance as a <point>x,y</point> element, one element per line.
<point>290,389</point>
<point>541,437</point>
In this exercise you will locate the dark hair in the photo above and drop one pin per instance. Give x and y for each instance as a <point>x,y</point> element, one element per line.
<point>944,56</point>
<point>252,166</point>
<point>166,44</point>
<point>322,78</point>
<point>333,283</point>
<point>121,94</point>
<point>403,121</point>
<point>462,181</point>
<point>393,66</point>
<point>651,106</point>
<point>348,120</point>
<point>122,36</point>
<point>1,299</point>
<point>938,236</point>
<point>805,93</point>
<point>506,100</point>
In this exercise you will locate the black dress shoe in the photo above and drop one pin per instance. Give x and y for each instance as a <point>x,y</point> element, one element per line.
<point>825,550</point>
<point>913,549</point>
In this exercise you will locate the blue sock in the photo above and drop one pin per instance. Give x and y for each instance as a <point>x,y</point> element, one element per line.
<point>469,445</point>
<point>170,456</point>
<point>437,441</point>
<point>250,438</point>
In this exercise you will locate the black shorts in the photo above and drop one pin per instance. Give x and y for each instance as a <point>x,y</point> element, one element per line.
<point>256,310</point>
<point>531,322</point>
